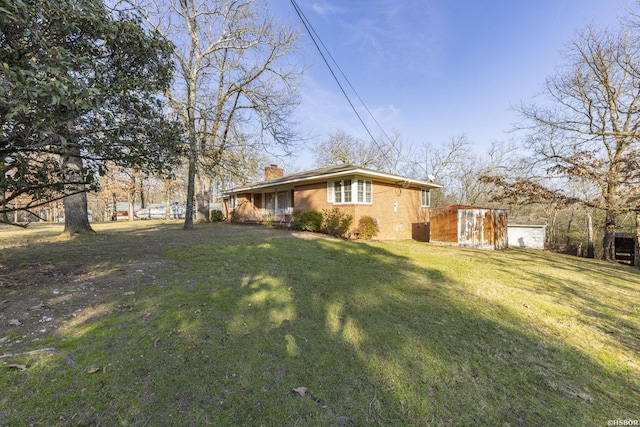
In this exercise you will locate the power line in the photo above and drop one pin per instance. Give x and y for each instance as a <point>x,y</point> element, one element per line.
<point>317,41</point>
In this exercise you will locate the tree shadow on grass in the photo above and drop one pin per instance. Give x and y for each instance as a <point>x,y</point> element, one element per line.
<point>233,324</point>
<point>607,300</point>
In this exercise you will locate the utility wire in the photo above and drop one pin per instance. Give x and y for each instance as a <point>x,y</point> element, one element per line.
<point>317,41</point>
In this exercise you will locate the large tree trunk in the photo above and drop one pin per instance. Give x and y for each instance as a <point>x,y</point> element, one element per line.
<point>568,236</point>
<point>200,207</point>
<point>191,180</point>
<point>636,252</point>
<point>131,197</point>
<point>130,202</point>
<point>114,201</point>
<point>609,240</point>
<point>76,214</point>
<point>202,198</point>
<point>590,246</point>
<point>167,204</point>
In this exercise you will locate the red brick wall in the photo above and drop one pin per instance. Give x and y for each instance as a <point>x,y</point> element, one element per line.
<point>395,209</point>
<point>311,196</point>
<point>272,171</point>
<point>392,223</point>
<point>245,211</point>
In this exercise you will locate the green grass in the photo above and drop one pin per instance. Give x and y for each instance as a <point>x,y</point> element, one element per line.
<point>227,320</point>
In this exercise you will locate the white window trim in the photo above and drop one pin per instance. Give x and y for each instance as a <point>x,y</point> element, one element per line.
<point>331,194</point>
<point>428,193</point>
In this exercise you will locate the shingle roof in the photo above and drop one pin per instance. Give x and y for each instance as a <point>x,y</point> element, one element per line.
<point>329,172</point>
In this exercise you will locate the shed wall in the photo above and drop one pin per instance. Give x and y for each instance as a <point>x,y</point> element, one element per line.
<point>469,226</point>
<point>444,226</point>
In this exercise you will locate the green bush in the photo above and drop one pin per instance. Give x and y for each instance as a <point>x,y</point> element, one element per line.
<point>217,215</point>
<point>310,220</point>
<point>336,222</point>
<point>367,227</point>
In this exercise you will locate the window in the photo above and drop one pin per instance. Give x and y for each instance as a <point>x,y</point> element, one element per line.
<point>349,191</point>
<point>337,191</point>
<point>233,201</point>
<point>364,191</point>
<point>425,199</point>
<point>283,200</point>
<point>278,202</point>
<point>270,201</point>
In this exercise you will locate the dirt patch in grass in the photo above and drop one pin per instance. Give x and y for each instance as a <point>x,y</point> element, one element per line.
<point>43,289</point>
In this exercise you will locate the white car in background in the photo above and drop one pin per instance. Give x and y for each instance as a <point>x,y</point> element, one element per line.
<point>158,211</point>
<point>153,211</point>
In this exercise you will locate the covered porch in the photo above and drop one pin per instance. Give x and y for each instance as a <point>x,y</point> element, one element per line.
<point>271,207</point>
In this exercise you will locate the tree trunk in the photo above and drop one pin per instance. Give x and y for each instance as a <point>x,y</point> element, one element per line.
<point>551,228</point>
<point>130,202</point>
<point>191,180</point>
<point>76,215</point>
<point>609,241</point>
<point>114,213</point>
<point>131,198</point>
<point>590,246</point>
<point>200,205</point>
<point>568,234</point>
<point>202,202</point>
<point>143,199</point>
<point>636,252</point>
<point>167,203</point>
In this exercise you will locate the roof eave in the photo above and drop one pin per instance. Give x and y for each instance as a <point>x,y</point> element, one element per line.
<point>325,177</point>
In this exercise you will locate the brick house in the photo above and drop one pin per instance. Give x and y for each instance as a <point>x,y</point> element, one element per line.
<point>397,203</point>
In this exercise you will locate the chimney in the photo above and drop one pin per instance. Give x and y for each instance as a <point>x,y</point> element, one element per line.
<point>272,171</point>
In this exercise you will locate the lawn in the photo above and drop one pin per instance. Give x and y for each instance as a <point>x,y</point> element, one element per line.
<point>144,324</point>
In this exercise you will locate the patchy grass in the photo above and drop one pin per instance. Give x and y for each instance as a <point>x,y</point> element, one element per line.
<point>145,324</point>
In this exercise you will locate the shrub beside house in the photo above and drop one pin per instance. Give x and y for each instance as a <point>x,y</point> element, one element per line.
<point>390,203</point>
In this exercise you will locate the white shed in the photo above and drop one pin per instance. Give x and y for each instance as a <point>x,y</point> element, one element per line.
<point>526,236</point>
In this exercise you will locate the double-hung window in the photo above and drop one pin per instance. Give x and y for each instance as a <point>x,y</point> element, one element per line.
<point>337,191</point>
<point>346,191</point>
<point>349,191</point>
<point>425,198</point>
<point>363,188</point>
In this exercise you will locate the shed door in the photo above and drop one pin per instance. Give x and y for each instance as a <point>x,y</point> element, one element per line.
<point>471,228</point>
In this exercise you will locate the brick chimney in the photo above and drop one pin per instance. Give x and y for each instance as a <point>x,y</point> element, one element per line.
<point>272,171</point>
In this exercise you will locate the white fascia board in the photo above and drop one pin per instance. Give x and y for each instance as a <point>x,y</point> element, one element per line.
<point>327,177</point>
<point>395,178</point>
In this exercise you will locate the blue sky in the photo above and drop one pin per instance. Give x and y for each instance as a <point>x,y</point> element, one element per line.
<point>433,69</point>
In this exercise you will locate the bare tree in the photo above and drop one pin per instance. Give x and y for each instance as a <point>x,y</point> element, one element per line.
<point>234,84</point>
<point>442,161</point>
<point>458,166</point>
<point>584,138</point>
<point>343,148</point>
<point>386,153</point>
<point>588,131</point>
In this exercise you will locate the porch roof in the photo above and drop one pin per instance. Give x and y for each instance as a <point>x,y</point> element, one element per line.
<point>330,173</point>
